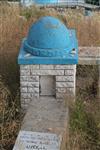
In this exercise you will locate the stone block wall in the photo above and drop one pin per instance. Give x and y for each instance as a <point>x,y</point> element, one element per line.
<point>65,77</point>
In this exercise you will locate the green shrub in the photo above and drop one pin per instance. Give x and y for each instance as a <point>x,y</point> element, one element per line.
<point>78,117</point>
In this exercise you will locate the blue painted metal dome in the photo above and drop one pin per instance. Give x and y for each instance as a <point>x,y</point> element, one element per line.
<point>49,41</point>
<point>48,37</point>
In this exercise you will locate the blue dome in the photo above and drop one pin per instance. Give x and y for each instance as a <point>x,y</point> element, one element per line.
<point>49,42</point>
<point>48,37</point>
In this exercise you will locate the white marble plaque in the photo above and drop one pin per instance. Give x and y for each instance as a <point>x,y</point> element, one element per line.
<point>28,140</point>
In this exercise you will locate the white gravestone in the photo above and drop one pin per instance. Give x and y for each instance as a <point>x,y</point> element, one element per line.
<point>28,140</point>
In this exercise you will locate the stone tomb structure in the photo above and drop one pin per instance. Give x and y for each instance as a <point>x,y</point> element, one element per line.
<point>48,58</point>
<point>46,80</point>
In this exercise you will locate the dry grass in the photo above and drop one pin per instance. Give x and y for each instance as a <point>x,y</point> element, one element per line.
<point>14,24</point>
<point>85,113</point>
<point>85,125</point>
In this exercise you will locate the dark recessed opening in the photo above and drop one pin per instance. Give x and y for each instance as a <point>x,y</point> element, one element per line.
<point>47,86</point>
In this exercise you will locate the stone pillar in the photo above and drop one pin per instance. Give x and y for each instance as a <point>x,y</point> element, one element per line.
<point>65,85</point>
<point>29,84</point>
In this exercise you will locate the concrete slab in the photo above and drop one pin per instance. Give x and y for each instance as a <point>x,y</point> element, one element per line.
<point>47,115</point>
<point>89,55</point>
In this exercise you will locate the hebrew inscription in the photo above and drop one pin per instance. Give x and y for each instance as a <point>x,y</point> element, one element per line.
<point>28,140</point>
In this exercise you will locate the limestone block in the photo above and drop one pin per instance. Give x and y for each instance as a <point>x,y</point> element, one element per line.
<point>64,78</point>
<point>24,100</point>
<point>69,67</point>
<point>33,90</point>
<point>25,95</point>
<point>24,106</point>
<point>48,72</point>
<point>27,101</point>
<point>24,67</point>
<point>46,67</point>
<point>60,95</point>
<point>29,78</point>
<point>34,67</point>
<point>64,90</point>
<point>29,95</point>
<point>24,72</point>
<point>69,72</point>
<point>30,84</point>
<point>61,90</point>
<point>65,84</point>
<point>24,90</point>
<point>65,96</point>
